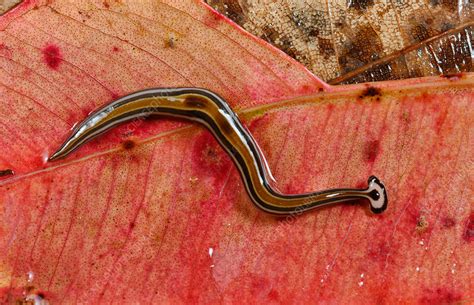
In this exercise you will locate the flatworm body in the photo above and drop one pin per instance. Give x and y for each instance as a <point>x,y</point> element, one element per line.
<point>212,111</point>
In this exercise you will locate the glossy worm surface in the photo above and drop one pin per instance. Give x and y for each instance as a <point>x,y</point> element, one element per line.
<point>212,111</point>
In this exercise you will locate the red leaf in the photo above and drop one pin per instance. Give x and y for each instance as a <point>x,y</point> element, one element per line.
<point>164,217</point>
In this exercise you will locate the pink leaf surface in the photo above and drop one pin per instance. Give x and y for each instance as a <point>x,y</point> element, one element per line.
<point>156,212</point>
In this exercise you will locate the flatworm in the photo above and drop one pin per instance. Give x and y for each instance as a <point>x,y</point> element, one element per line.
<point>212,111</point>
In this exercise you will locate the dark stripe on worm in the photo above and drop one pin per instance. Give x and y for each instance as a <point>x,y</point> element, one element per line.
<point>215,114</point>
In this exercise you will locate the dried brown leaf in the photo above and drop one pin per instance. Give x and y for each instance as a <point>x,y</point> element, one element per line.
<point>358,41</point>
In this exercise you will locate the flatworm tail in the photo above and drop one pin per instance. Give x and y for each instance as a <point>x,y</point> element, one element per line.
<point>212,111</point>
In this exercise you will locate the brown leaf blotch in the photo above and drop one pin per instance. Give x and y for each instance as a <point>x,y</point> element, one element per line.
<point>128,144</point>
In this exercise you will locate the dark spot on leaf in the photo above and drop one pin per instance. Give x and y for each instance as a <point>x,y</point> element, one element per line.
<point>128,144</point>
<point>371,91</point>
<point>371,150</point>
<point>6,172</point>
<point>468,234</point>
<point>41,295</point>
<point>52,56</point>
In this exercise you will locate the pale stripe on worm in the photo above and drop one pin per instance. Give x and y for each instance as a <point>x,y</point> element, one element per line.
<point>212,111</point>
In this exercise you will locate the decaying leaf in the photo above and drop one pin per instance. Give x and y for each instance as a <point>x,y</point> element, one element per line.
<point>360,41</point>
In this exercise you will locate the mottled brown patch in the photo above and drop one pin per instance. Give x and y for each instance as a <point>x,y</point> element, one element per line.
<point>311,22</point>
<point>309,30</point>
<point>362,46</point>
<point>326,47</point>
<point>421,26</point>
<point>422,224</point>
<point>282,42</point>
<point>360,5</point>
<point>285,44</point>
